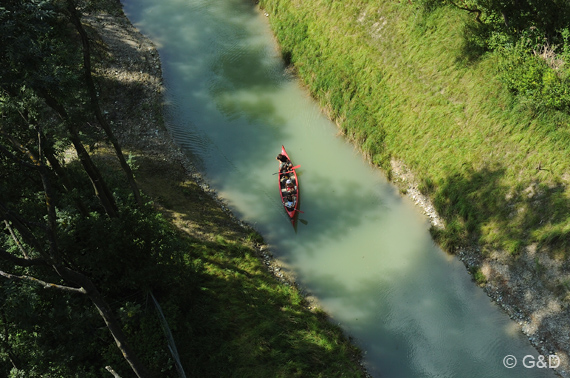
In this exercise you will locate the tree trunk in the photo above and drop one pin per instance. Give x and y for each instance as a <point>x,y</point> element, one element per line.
<point>101,190</point>
<point>76,20</point>
<point>67,185</point>
<point>49,196</point>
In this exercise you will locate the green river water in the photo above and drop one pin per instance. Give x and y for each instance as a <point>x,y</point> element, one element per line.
<point>363,251</point>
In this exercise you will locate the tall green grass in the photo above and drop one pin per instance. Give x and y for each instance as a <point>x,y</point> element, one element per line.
<point>409,85</point>
<point>239,321</point>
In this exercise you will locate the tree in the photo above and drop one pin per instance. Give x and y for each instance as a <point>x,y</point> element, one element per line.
<point>40,53</point>
<point>516,15</point>
<point>34,254</point>
<point>47,102</point>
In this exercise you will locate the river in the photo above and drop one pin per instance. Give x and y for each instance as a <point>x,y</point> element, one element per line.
<point>360,248</point>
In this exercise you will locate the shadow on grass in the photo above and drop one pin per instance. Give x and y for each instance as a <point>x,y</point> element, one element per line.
<point>478,207</point>
<point>474,44</point>
<point>244,323</point>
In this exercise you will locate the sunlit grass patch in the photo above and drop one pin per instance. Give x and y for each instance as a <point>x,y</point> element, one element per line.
<point>557,235</point>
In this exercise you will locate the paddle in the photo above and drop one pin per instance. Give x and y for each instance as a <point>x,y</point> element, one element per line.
<point>292,169</point>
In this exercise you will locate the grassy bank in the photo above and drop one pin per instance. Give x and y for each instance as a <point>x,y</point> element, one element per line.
<point>408,85</point>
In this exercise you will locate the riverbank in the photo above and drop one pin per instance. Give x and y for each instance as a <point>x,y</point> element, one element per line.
<point>520,288</point>
<point>400,85</point>
<point>286,335</point>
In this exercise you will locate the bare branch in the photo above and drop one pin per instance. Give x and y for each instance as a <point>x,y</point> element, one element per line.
<point>102,192</point>
<point>48,193</point>
<point>4,340</point>
<point>475,10</point>
<point>46,285</point>
<point>107,314</point>
<point>22,148</point>
<point>23,228</point>
<point>16,240</point>
<point>37,160</point>
<point>110,370</point>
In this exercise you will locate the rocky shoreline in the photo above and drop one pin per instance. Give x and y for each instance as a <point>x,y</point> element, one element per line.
<point>520,288</point>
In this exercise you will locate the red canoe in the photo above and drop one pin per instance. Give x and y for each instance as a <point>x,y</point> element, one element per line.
<point>293,190</point>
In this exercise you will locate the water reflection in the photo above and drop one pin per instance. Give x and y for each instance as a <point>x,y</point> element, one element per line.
<point>364,252</point>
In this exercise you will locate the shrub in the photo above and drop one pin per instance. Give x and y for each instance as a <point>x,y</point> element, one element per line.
<point>478,276</point>
<point>531,68</point>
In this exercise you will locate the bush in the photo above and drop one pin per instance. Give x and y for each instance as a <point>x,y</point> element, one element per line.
<point>478,276</point>
<point>533,69</point>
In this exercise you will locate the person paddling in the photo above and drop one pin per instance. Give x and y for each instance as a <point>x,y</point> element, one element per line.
<point>284,163</point>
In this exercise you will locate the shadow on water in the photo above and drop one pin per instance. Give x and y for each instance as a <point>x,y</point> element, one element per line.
<point>337,209</point>
<point>225,83</point>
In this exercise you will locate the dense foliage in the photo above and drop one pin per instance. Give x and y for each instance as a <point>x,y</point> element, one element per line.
<point>532,39</point>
